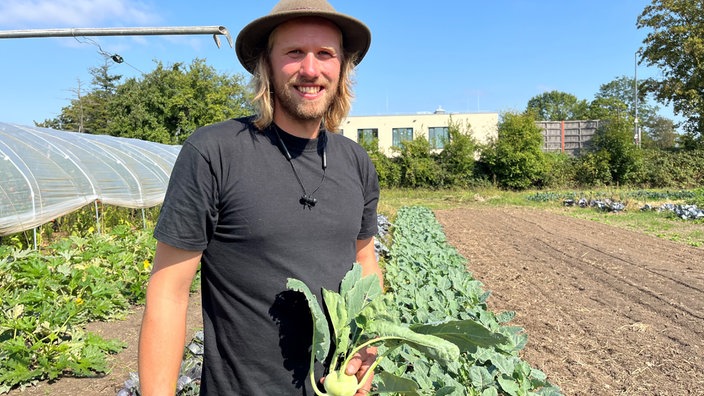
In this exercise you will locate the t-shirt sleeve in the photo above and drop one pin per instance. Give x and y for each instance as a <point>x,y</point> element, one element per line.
<point>189,213</point>
<point>369,226</point>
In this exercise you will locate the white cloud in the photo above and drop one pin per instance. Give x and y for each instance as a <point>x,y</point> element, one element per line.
<point>33,14</point>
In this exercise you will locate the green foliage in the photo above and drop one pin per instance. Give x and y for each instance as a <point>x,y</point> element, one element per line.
<point>458,156</point>
<point>558,172</point>
<point>360,316</point>
<point>697,198</point>
<point>592,169</point>
<point>675,45</point>
<point>387,169</point>
<point>638,195</point>
<point>430,283</point>
<point>622,89</point>
<point>673,169</point>
<point>418,165</point>
<point>516,158</point>
<point>613,157</point>
<point>46,297</point>
<point>82,223</point>
<point>557,106</point>
<point>660,134</point>
<point>165,105</point>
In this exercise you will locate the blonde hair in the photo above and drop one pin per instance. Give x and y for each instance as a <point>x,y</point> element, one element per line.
<point>264,96</point>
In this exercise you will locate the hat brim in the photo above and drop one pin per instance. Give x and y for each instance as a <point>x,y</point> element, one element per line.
<point>253,38</point>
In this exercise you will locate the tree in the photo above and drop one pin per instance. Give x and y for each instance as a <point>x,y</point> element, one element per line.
<point>602,108</point>
<point>165,105</point>
<point>516,158</point>
<point>623,90</point>
<point>169,103</point>
<point>675,44</point>
<point>661,134</point>
<point>557,106</point>
<point>613,154</point>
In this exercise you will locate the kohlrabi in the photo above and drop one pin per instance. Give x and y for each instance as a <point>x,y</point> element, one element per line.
<point>361,318</point>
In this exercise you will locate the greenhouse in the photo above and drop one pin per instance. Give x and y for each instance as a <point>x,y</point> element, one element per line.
<point>45,173</point>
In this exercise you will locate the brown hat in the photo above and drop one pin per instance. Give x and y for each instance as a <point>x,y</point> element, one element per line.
<point>253,38</point>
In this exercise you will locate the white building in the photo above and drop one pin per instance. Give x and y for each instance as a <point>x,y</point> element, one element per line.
<point>391,130</point>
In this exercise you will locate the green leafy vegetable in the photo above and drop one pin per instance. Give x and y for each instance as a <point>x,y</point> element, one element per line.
<point>360,317</point>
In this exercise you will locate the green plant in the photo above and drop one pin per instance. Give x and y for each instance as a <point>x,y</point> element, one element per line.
<point>516,159</point>
<point>360,317</point>
<point>430,283</point>
<point>418,165</point>
<point>47,296</point>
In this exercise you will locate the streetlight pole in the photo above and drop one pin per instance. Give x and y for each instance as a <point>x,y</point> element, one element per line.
<point>635,98</point>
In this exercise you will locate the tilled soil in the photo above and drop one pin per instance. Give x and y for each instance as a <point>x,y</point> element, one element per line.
<point>607,311</point>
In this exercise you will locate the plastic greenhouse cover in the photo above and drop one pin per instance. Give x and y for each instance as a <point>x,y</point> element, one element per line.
<point>45,173</point>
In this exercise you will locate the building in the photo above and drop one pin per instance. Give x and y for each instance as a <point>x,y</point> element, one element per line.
<point>391,130</point>
<point>569,137</point>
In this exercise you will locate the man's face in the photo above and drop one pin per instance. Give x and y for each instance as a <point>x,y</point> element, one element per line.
<point>305,61</point>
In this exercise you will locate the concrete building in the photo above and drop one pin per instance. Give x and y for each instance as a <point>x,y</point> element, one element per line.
<point>391,130</point>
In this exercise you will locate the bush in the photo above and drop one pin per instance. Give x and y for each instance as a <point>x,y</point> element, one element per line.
<point>516,158</point>
<point>458,157</point>
<point>673,169</point>
<point>613,148</point>
<point>559,171</point>
<point>387,169</point>
<point>418,166</point>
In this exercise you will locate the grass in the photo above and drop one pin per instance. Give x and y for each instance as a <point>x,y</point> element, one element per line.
<point>661,225</point>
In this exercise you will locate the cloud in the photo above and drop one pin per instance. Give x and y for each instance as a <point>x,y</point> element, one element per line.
<point>33,14</point>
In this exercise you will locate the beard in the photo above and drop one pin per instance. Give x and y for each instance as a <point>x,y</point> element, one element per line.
<point>301,109</point>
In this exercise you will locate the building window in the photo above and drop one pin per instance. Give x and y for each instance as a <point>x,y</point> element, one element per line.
<point>438,137</point>
<point>367,136</point>
<point>399,135</point>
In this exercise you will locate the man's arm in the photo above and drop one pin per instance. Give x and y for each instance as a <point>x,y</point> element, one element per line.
<point>163,333</point>
<point>366,257</point>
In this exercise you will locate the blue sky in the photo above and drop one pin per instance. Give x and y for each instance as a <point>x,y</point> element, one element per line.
<point>461,55</point>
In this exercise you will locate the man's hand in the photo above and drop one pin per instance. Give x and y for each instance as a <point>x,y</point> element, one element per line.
<point>358,366</point>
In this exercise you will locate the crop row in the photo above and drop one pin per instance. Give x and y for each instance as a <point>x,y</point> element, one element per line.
<point>639,195</point>
<point>431,283</point>
<point>47,296</point>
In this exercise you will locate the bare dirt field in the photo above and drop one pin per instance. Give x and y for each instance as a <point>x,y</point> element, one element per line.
<point>607,311</point>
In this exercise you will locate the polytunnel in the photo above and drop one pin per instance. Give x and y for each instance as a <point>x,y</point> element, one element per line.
<point>45,173</point>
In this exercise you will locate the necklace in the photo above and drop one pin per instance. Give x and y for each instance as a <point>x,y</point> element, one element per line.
<point>307,200</point>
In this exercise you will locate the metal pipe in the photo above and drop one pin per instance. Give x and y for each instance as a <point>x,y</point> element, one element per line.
<point>123,31</point>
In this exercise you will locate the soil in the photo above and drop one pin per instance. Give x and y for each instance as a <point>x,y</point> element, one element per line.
<point>121,364</point>
<point>607,311</point>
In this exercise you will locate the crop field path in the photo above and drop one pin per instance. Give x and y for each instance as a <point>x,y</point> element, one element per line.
<point>607,311</point>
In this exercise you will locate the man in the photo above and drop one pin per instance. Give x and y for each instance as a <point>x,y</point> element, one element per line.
<point>259,200</point>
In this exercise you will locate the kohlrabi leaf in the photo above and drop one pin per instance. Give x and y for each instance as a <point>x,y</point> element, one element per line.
<point>351,277</point>
<point>362,293</point>
<point>466,334</point>
<point>389,383</point>
<point>321,332</point>
<point>337,312</point>
<point>430,345</point>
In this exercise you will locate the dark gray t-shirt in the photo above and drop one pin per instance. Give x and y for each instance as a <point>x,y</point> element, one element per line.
<point>233,195</point>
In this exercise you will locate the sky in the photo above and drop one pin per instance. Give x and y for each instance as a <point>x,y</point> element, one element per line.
<point>458,55</point>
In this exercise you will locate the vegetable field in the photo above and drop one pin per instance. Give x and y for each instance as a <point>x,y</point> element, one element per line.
<point>607,311</point>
